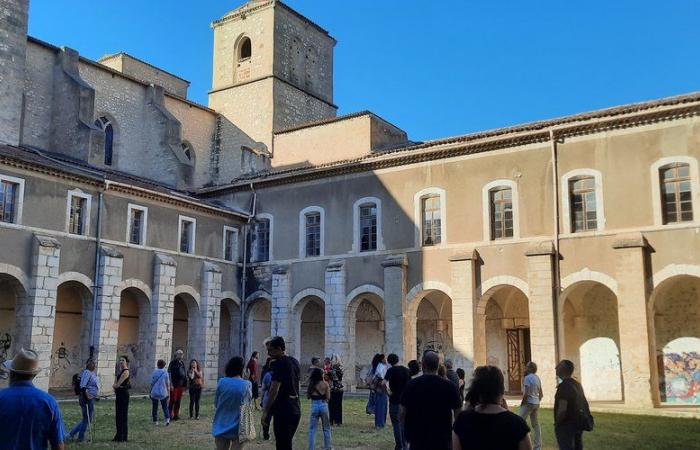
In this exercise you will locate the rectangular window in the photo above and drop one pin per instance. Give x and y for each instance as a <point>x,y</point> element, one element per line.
<point>313,234</point>
<point>8,201</point>
<point>501,213</point>
<point>230,244</point>
<point>77,215</point>
<point>676,194</point>
<point>430,206</point>
<point>583,204</point>
<point>262,240</point>
<point>368,227</point>
<point>138,221</point>
<point>187,234</point>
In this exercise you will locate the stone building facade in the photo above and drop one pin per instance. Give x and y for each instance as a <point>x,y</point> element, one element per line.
<point>135,221</point>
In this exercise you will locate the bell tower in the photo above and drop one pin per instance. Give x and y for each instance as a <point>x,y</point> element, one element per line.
<point>273,69</point>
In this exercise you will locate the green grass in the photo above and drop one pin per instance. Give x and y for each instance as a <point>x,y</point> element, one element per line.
<point>613,431</point>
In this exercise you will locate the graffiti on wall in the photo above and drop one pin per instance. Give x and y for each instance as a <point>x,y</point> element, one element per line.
<point>5,345</point>
<point>135,354</point>
<point>679,380</point>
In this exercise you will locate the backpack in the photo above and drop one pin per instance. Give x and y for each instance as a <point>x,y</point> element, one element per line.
<point>76,384</point>
<point>585,418</point>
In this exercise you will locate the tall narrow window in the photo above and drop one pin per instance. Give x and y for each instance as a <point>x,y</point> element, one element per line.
<point>105,125</point>
<point>230,243</point>
<point>430,212</point>
<point>137,226</point>
<point>77,215</point>
<point>187,234</point>
<point>8,201</point>
<point>501,206</point>
<point>676,193</point>
<point>246,49</point>
<point>368,227</point>
<point>584,212</point>
<point>262,240</point>
<point>313,234</point>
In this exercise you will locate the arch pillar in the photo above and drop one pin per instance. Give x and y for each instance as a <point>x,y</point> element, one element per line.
<point>463,269</point>
<point>399,335</point>
<point>637,351</point>
<point>336,314</point>
<point>541,301</point>
<point>106,331</point>
<point>210,311</point>
<point>36,321</point>
<point>282,305</point>
<point>160,336</point>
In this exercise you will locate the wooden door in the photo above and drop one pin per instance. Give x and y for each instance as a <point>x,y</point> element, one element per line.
<point>515,364</point>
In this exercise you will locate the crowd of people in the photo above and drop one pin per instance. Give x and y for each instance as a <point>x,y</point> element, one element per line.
<point>431,404</point>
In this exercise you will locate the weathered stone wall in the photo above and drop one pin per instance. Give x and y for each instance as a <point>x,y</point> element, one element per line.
<point>13,29</point>
<point>145,72</point>
<point>293,106</point>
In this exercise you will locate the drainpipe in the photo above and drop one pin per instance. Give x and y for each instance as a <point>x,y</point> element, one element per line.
<point>557,272</point>
<point>242,329</point>
<point>95,284</point>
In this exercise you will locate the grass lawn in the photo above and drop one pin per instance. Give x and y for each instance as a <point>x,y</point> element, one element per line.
<point>612,431</point>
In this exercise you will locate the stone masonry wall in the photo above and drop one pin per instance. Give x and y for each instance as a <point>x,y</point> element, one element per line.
<point>13,48</point>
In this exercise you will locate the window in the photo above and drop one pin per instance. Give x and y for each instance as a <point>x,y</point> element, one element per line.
<point>368,227</point>
<point>137,226</point>
<point>584,214</point>
<point>187,234</point>
<point>187,150</point>
<point>501,201</point>
<point>230,243</point>
<point>104,124</point>
<point>676,193</point>
<point>78,212</point>
<point>313,233</point>
<point>9,200</point>
<point>430,212</point>
<point>262,239</point>
<point>246,49</point>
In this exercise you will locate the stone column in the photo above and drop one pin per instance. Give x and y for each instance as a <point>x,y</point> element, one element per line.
<point>106,331</point>
<point>399,333</point>
<point>36,317</point>
<point>541,301</point>
<point>160,340</point>
<point>463,269</point>
<point>210,320</point>
<point>282,306</point>
<point>335,310</point>
<point>636,342</point>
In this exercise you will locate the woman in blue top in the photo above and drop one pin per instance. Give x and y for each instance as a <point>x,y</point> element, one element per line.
<point>89,390</point>
<point>231,393</point>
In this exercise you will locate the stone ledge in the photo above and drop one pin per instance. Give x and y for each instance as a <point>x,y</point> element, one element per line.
<point>47,241</point>
<point>467,255</point>
<point>335,266</point>
<point>111,252</point>
<point>165,260</point>
<point>631,240</point>
<point>540,248</point>
<point>395,261</point>
<point>282,269</point>
<point>210,267</point>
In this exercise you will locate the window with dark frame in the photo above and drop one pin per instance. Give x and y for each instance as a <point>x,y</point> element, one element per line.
<point>432,221</point>
<point>368,227</point>
<point>262,240</point>
<point>8,201</point>
<point>76,220</point>
<point>229,244</point>
<point>676,193</point>
<point>584,212</point>
<point>313,233</point>
<point>246,49</point>
<point>501,209</point>
<point>136,227</point>
<point>186,236</point>
<point>105,125</point>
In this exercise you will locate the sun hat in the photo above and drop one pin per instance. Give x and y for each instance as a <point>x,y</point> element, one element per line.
<point>25,362</point>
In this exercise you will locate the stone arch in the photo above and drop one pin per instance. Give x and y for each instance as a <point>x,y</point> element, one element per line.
<point>188,334</point>
<point>192,292</point>
<point>308,292</point>
<point>134,328</point>
<point>136,284</point>
<point>589,333</point>
<point>673,270</point>
<point>675,319</point>
<point>258,295</point>
<point>364,330</point>
<point>100,147</point>
<point>425,286</point>
<point>229,329</point>
<point>72,325</point>
<point>308,326</point>
<point>488,287</point>
<point>232,296</point>
<point>16,273</point>
<point>258,320</point>
<point>15,323</point>
<point>429,325</point>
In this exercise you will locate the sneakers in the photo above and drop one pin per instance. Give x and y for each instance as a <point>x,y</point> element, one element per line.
<point>167,422</point>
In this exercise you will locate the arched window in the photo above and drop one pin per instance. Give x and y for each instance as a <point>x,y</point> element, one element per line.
<point>430,217</point>
<point>367,225</point>
<point>500,210</point>
<point>311,231</point>
<point>582,201</point>
<point>676,193</point>
<point>105,125</point>
<point>262,238</point>
<point>245,49</point>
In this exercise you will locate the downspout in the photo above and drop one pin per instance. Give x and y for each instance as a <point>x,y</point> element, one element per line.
<point>557,272</point>
<point>96,282</point>
<point>242,333</point>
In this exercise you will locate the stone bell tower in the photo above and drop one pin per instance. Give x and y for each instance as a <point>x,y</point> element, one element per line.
<point>273,69</point>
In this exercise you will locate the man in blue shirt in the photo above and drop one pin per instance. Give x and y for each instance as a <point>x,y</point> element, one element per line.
<point>29,417</point>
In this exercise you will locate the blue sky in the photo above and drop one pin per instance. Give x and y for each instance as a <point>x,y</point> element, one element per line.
<point>433,68</point>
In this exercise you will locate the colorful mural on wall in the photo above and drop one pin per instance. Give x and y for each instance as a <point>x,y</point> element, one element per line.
<point>679,377</point>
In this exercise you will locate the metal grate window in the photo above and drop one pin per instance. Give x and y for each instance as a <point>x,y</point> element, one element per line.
<point>584,213</point>
<point>676,194</point>
<point>501,206</point>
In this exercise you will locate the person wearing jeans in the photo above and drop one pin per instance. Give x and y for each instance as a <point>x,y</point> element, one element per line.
<point>160,387</point>
<point>569,400</point>
<point>178,382</point>
<point>89,390</point>
<point>396,378</point>
<point>319,392</point>
<point>195,380</point>
<point>532,395</point>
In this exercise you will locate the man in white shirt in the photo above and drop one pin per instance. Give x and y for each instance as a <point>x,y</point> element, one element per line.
<point>530,405</point>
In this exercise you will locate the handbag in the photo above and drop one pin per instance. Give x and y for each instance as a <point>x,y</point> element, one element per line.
<point>246,424</point>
